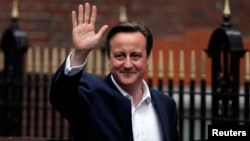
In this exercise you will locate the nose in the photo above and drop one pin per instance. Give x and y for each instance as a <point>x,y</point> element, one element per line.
<point>127,62</point>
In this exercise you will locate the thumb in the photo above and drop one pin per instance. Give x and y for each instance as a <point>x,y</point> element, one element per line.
<point>102,30</point>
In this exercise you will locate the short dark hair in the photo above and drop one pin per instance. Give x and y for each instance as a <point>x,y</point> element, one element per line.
<point>130,26</point>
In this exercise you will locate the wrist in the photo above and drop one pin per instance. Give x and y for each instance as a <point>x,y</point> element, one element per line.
<point>78,57</point>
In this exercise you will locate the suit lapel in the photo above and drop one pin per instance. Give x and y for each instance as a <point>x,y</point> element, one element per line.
<point>123,106</point>
<point>124,111</point>
<point>162,115</point>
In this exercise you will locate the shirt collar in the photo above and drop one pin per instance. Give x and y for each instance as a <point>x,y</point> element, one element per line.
<point>146,93</point>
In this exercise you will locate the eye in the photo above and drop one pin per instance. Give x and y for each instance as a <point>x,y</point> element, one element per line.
<point>119,56</point>
<point>136,56</point>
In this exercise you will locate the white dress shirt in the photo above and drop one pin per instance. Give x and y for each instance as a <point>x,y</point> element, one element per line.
<point>145,123</point>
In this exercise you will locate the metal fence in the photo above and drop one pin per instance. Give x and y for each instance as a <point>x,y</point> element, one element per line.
<point>25,110</point>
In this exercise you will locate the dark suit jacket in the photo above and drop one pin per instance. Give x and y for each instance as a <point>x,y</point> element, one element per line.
<point>97,111</point>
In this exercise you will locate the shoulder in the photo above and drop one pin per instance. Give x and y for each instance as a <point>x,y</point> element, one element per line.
<point>160,96</point>
<point>158,93</point>
<point>95,83</point>
<point>90,78</point>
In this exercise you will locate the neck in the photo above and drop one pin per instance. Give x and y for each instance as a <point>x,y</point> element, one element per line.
<point>137,94</point>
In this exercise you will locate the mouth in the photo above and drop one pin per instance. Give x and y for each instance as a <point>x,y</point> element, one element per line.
<point>127,73</point>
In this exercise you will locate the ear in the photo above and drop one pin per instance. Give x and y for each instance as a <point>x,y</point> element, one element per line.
<point>148,59</point>
<point>108,61</point>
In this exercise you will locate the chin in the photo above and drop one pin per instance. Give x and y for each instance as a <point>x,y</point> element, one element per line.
<point>126,83</point>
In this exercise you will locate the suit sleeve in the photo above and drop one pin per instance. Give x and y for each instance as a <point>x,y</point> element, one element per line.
<point>174,114</point>
<point>64,93</point>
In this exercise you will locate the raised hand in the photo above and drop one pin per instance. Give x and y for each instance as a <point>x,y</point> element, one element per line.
<point>85,38</point>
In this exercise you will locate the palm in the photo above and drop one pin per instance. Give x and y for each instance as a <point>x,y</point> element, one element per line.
<point>84,36</point>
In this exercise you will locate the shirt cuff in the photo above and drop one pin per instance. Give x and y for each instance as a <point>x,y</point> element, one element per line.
<point>70,71</point>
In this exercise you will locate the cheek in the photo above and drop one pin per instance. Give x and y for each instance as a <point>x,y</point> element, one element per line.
<point>143,64</point>
<point>140,66</point>
<point>113,64</point>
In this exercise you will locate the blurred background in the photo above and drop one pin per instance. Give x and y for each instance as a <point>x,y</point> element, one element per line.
<point>48,22</point>
<point>200,54</point>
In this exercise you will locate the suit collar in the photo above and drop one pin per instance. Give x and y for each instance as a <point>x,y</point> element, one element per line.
<point>162,114</point>
<point>146,94</point>
<point>123,106</point>
<point>108,81</point>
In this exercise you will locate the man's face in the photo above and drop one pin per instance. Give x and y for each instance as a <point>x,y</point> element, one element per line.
<point>128,59</point>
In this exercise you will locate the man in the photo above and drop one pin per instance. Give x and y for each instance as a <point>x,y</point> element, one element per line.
<point>121,107</point>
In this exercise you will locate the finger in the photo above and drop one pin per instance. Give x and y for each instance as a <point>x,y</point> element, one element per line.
<point>74,20</point>
<point>87,13</point>
<point>102,30</point>
<point>93,15</point>
<point>80,14</point>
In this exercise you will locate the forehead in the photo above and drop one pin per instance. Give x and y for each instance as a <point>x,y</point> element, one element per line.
<point>128,38</point>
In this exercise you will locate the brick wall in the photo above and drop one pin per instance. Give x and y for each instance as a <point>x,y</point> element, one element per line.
<point>48,22</point>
